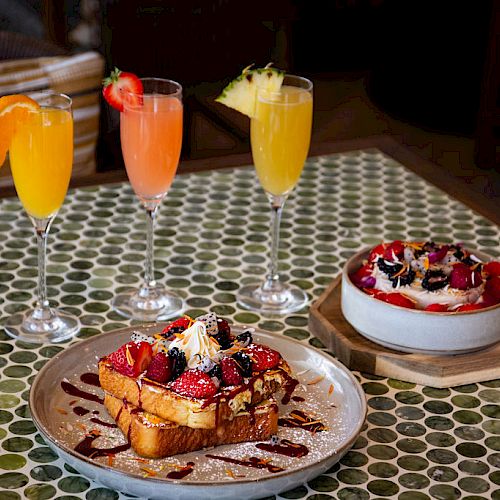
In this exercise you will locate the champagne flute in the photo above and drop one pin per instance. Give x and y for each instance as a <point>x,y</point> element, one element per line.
<point>151,139</point>
<point>41,157</point>
<point>280,133</point>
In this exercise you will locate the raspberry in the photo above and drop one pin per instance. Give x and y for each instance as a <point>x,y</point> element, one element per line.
<point>160,368</point>
<point>178,326</point>
<point>437,308</point>
<point>396,299</point>
<point>194,384</point>
<point>231,374</point>
<point>263,357</point>
<point>394,251</point>
<point>492,268</point>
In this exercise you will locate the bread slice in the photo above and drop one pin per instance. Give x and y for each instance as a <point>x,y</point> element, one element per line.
<point>153,437</point>
<point>158,399</point>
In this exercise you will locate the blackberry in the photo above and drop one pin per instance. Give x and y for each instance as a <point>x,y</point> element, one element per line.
<point>225,341</point>
<point>172,332</point>
<point>179,362</point>
<point>388,267</point>
<point>245,338</point>
<point>434,279</point>
<point>403,279</point>
<point>244,362</point>
<point>216,372</point>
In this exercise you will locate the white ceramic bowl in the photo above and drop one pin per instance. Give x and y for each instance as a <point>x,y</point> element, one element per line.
<point>417,331</point>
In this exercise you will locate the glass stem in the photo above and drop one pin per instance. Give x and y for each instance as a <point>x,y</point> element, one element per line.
<point>41,237</point>
<point>149,274</point>
<point>272,278</point>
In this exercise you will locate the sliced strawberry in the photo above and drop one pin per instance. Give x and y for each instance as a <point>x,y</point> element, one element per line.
<point>362,277</point>
<point>470,307</point>
<point>372,291</point>
<point>492,268</point>
<point>437,308</point>
<point>143,358</point>
<point>396,299</point>
<point>263,357</point>
<point>116,86</point>
<point>231,374</point>
<point>377,252</point>
<point>123,362</point>
<point>462,277</point>
<point>194,384</point>
<point>178,326</point>
<point>492,288</point>
<point>160,368</point>
<point>394,251</point>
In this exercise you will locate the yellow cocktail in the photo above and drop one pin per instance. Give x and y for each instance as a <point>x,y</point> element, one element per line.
<point>280,136</point>
<point>41,156</point>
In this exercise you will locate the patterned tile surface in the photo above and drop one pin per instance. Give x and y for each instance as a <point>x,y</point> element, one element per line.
<point>212,236</point>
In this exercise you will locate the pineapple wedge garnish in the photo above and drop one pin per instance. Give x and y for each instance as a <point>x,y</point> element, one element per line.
<point>241,93</point>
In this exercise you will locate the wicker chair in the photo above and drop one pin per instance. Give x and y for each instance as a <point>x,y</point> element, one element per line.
<point>17,46</point>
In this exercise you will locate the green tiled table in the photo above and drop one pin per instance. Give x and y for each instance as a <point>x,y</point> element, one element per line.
<point>212,237</point>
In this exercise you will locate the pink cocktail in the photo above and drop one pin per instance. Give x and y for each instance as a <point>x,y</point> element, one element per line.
<point>151,139</point>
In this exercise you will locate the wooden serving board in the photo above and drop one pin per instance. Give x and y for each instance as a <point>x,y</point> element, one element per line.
<point>327,322</point>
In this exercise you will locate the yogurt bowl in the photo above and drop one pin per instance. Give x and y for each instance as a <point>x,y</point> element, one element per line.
<point>416,330</point>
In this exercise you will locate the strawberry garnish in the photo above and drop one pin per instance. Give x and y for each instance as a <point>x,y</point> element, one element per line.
<point>231,374</point>
<point>117,84</point>
<point>492,268</point>
<point>437,308</point>
<point>396,299</point>
<point>123,359</point>
<point>160,368</point>
<point>263,357</point>
<point>394,251</point>
<point>362,278</point>
<point>194,384</point>
<point>492,289</point>
<point>470,307</point>
<point>377,252</point>
<point>178,326</point>
<point>143,358</point>
<point>463,277</point>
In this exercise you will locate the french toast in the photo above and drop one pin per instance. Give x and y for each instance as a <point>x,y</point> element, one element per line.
<point>195,373</point>
<point>153,437</point>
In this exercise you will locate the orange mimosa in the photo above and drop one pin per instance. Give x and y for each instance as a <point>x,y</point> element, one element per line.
<point>280,136</point>
<point>151,137</point>
<point>41,157</point>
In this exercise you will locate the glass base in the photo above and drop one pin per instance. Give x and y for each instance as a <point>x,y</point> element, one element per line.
<point>278,299</point>
<point>149,304</point>
<point>40,326</point>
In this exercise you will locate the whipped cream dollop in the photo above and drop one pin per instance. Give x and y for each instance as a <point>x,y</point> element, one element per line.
<point>196,344</point>
<point>446,295</point>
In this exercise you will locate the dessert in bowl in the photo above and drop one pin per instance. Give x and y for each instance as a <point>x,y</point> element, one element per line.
<point>423,297</point>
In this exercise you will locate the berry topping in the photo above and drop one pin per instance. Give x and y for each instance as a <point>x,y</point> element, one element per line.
<point>131,359</point>
<point>394,251</point>
<point>462,277</point>
<point>438,255</point>
<point>492,289</point>
<point>396,299</point>
<point>404,278</point>
<point>470,307</point>
<point>117,85</point>
<point>361,277</point>
<point>194,384</point>
<point>492,268</point>
<point>244,362</point>
<point>376,253</point>
<point>231,374</point>
<point>434,279</point>
<point>245,338</point>
<point>215,372</point>
<point>437,308</point>
<point>178,326</point>
<point>160,368</point>
<point>263,357</point>
<point>223,335</point>
<point>388,267</point>
<point>179,362</point>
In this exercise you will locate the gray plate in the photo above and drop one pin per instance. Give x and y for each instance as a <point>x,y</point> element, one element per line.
<point>342,410</point>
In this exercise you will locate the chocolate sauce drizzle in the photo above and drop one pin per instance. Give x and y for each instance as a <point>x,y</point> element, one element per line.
<point>86,448</point>
<point>285,447</point>
<point>289,387</point>
<point>90,379</point>
<point>297,418</point>
<point>98,421</point>
<point>80,411</point>
<point>74,391</point>
<point>256,463</point>
<point>181,473</point>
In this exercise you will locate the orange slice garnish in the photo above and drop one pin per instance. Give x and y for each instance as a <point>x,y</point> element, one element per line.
<point>14,111</point>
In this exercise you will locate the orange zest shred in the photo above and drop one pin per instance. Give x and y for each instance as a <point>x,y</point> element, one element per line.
<point>14,111</point>
<point>62,411</point>
<point>316,380</point>
<point>111,459</point>
<point>426,263</point>
<point>401,271</point>
<point>330,390</point>
<point>130,359</point>
<point>149,472</point>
